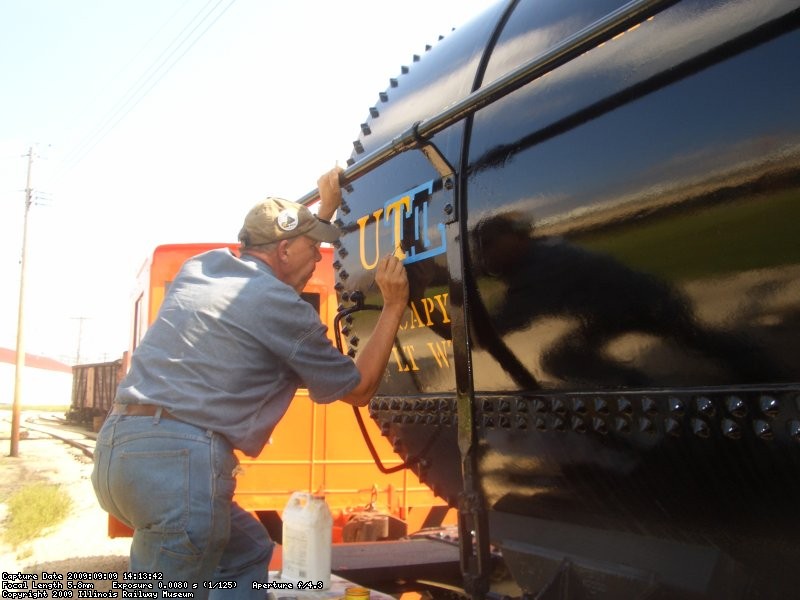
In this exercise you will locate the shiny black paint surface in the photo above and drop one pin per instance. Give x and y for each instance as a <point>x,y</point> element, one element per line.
<point>630,283</point>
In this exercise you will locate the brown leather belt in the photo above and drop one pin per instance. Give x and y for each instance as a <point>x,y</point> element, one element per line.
<point>140,410</point>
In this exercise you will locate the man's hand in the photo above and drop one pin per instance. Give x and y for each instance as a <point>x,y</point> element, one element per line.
<point>392,280</point>
<point>330,194</point>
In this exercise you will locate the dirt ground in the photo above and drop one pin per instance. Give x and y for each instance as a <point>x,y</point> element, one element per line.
<point>80,543</point>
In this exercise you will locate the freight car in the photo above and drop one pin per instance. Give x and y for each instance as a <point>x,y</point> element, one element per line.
<point>93,389</point>
<point>597,203</point>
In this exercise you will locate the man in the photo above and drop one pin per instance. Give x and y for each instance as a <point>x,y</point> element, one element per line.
<point>215,372</point>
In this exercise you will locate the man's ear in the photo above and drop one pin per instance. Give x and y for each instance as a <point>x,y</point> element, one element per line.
<point>283,250</point>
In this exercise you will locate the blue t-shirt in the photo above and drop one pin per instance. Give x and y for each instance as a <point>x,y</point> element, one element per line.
<point>229,348</point>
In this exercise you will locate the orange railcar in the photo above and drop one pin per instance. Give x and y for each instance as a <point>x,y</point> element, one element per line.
<point>317,448</point>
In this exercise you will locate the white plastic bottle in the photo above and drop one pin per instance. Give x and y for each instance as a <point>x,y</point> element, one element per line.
<point>307,540</point>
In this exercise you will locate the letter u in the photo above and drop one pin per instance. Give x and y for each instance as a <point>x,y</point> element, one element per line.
<point>362,225</point>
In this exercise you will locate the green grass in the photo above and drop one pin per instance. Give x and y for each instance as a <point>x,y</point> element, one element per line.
<point>33,509</point>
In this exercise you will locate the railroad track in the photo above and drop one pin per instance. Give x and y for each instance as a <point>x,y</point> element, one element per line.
<point>57,428</point>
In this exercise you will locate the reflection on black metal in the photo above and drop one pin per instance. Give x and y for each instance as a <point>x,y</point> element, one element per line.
<point>595,34</point>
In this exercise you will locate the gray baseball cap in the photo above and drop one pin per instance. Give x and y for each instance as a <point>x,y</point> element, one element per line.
<point>277,219</point>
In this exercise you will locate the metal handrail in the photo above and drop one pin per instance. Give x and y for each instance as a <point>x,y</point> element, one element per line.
<point>600,31</point>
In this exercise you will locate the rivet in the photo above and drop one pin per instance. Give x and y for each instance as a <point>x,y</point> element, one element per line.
<point>540,405</point>
<point>346,331</point>
<point>338,287</point>
<point>351,353</point>
<point>672,427</point>
<point>383,96</point>
<point>358,147</point>
<point>350,162</point>
<point>504,406</point>
<point>344,275</point>
<point>769,406</point>
<point>522,406</point>
<point>559,425</point>
<point>676,406</point>
<point>393,82</point>
<point>649,406</point>
<point>540,424</point>
<point>794,430</point>
<point>763,430</point>
<point>579,406</point>
<point>559,407</point>
<point>700,428</point>
<point>600,406</point>
<point>488,406</point>
<point>343,252</point>
<point>337,265</point>
<point>488,422</point>
<point>578,425</point>
<point>646,426</point>
<point>522,422</point>
<point>373,112</point>
<point>736,406</point>
<point>624,406</point>
<point>415,58</point>
<point>354,340</point>
<point>444,405</point>
<point>622,425</point>
<point>731,429</point>
<point>404,70</point>
<point>448,209</point>
<point>365,129</point>
<point>396,404</point>
<point>449,184</point>
<point>505,422</point>
<point>599,425</point>
<point>339,223</point>
<point>343,206</point>
<point>704,406</point>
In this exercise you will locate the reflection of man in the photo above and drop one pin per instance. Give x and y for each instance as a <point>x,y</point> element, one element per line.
<point>548,277</point>
<point>216,372</point>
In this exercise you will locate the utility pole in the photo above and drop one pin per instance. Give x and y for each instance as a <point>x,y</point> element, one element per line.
<point>80,338</point>
<point>20,368</point>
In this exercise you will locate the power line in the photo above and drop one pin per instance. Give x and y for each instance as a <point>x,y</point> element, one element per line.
<point>145,83</point>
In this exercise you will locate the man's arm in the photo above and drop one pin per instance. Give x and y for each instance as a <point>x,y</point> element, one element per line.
<point>330,194</point>
<point>374,356</point>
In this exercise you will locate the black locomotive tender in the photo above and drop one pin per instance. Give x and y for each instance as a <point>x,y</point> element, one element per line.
<point>598,205</point>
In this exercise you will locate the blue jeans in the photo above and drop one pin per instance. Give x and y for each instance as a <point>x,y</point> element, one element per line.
<point>173,484</point>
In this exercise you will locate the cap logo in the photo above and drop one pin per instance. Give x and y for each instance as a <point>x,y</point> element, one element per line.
<point>287,220</point>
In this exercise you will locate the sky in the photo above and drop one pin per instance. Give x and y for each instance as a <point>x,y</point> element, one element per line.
<point>164,121</point>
